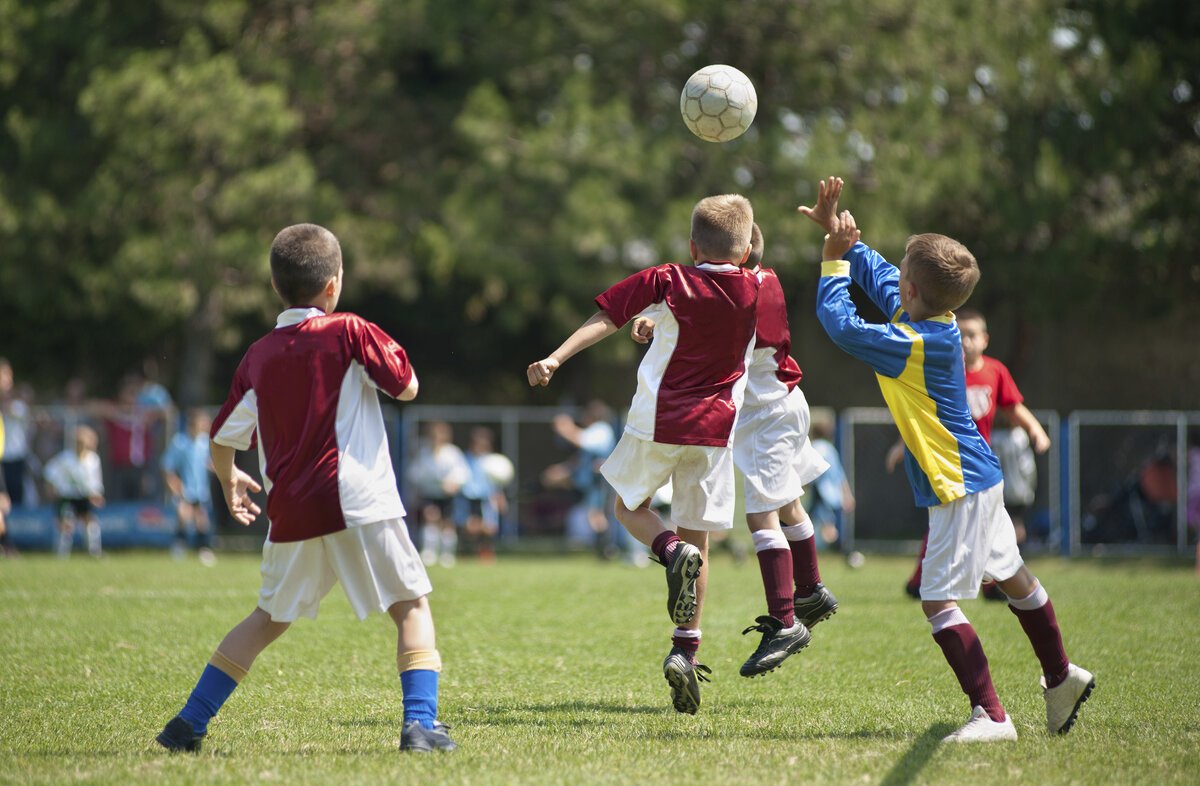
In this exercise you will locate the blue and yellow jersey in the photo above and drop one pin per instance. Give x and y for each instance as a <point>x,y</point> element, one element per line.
<point>919,366</point>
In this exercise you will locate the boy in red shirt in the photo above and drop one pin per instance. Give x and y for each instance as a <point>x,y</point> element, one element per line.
<point>306,392</point>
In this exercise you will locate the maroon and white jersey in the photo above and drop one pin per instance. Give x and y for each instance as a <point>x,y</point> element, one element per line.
<point>308,390</point>
<point>773,372</point>
<point>691,380</point>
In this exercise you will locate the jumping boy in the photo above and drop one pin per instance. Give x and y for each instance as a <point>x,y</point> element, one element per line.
<point>306,391</point>
<point>772,451</point>
<point>917,358</point>
<point>690,385</point>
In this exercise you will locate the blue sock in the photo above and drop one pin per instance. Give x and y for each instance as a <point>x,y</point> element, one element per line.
<point>420,688</point>
<point>207,697</point>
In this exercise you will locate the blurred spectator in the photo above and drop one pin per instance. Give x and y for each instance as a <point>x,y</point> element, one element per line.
<point>129,428</point>
<point>482,494</point>
<point>15,412</point>
<point>186,466</point>
<point>77,480</point>
<point>6,546</point>
<point>437,475</point>
<point>830,497</point>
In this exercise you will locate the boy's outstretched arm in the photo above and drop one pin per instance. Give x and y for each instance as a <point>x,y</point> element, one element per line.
<point>235,483</point>
<point>825,211</point>
<point>598,327</point>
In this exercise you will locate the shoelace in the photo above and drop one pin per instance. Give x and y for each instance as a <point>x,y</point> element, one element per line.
<point>702,671</point>
<point>765,625</point>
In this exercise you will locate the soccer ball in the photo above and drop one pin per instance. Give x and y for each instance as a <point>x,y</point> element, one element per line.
<point>498,468</point>
<point>718,103</point>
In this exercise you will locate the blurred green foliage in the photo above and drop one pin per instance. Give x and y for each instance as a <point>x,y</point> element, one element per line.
<point>492,166</point>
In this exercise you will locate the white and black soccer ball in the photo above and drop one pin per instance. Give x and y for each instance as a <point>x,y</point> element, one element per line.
<point>718,103</point>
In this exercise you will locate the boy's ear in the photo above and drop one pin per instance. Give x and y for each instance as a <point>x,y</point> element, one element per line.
<point>746,255</point>
<point>695,249</point>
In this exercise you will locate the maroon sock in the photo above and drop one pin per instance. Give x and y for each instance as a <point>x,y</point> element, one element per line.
<point>964,653</point>
<point>664,545</point>
<point>914,580</point>
<point>804,565</point>
<point>1041,626</point>
<point>688,644</point>
<point>776,567</point>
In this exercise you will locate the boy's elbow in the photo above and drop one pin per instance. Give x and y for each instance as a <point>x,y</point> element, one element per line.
<point>410,392</point>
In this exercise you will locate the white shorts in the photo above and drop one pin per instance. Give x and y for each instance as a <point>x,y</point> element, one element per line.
<point>701,477</point>
<point>772,451</point>
<point>376,564</point>
<point>969,538</point>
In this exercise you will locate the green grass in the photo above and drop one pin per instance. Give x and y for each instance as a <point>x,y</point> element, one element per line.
<point>553,675</point>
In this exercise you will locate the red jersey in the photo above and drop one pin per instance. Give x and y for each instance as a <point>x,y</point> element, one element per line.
<point>988,388</point>
<point>773,372</point>
<point>692,379</point>
<point>308,390</point>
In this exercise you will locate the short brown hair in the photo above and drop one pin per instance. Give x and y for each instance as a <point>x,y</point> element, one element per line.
<point>944,271</point>
<point>303,259</point>
<point>756,247</point>
<point>968,314</point>
<point>721,227</point>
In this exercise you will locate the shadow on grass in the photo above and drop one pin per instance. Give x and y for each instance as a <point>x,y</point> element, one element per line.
<point>908,768</point>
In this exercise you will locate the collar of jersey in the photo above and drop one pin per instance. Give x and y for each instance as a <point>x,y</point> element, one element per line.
<point>718,267</point>
<point>294,316</point>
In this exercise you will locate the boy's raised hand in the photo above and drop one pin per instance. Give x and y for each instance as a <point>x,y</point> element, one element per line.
<point>825,211</point>
<point>843,234</point>
<point>539,373</point>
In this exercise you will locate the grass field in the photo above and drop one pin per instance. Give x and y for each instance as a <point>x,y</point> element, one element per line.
<point>553,675</point>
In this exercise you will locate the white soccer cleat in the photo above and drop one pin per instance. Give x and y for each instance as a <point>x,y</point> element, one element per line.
<point>1064,699</point>
<point>982,728</point>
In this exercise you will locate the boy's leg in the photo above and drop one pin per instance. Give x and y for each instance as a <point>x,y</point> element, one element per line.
<point>963,651</point>
<point>683,560</point>
<point>1066,686</point>
<point>813,602</point>
<point>227,667</point>
<point>66,534</point>
<point>680,668</point>
<point>782,633</point>
<point>419,665</point>
<point>92,528</point>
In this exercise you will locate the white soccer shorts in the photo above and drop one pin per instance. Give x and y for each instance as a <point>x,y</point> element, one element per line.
<point>701,476</point>
<point>969,538</point>
<point>772,451</point>
<point>376,564</point>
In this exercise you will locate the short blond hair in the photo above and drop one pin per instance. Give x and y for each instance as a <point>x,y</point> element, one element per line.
<point>721,227</point>
<point>944,271</point>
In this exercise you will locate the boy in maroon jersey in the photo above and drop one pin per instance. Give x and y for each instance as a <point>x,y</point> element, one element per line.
<point>690,386</point>
<point>307,393</point>
<point>772,451</point>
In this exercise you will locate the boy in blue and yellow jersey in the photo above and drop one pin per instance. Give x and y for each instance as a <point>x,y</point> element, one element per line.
<point>917,358</point>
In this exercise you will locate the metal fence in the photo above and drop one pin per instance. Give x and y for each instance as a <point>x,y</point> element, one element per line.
<point>1113,482</point>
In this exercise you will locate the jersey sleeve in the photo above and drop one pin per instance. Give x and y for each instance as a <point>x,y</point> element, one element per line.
<point>383,359</point>
<point>1007,393</point>
<point>879,278</point>
<point>631,296</point>
<point>237,422</point>
<point>885,347</point>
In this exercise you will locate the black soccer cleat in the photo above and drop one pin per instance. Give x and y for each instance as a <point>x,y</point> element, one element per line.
<point>685,675</point>
<point>178,736</point>
<point>415,738</point>
<point>777,644</point>
<point>819,606</point>
<point>682,570</point>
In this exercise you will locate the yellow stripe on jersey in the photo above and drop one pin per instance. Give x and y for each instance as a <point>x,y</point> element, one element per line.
<point>931,443</point>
